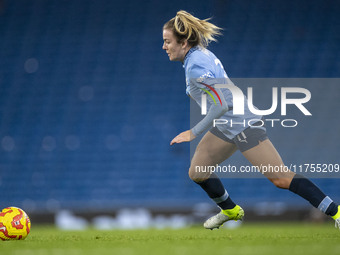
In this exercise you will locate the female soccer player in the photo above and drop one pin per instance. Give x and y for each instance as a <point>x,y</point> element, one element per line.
<point>186,39</point>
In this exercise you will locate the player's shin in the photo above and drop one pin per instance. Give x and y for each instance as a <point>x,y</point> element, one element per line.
<point>309,191</point>
<point>216,191</point>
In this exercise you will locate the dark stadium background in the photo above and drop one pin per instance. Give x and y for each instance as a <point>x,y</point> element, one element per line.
<point>89,100</point>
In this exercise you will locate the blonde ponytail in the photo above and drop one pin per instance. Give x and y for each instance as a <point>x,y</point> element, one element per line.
<point>197,32</point>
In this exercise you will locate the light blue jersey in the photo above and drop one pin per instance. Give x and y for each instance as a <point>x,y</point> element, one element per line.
<point>203,70</point>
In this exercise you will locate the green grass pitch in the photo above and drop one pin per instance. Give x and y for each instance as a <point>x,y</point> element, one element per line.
<point>287,239</point>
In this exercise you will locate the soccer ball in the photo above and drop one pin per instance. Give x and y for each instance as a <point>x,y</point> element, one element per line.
<point>14,224</point>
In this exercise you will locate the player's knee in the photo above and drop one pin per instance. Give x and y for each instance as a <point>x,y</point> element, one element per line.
<point>282,183</point>
<point>193,175</point>
<point>197,176</point>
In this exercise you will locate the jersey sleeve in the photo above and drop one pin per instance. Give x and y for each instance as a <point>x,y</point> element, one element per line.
<point>202,81</point>
<point>199,74</point>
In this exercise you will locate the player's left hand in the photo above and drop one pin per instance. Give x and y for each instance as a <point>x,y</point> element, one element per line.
<point>185,136</point>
